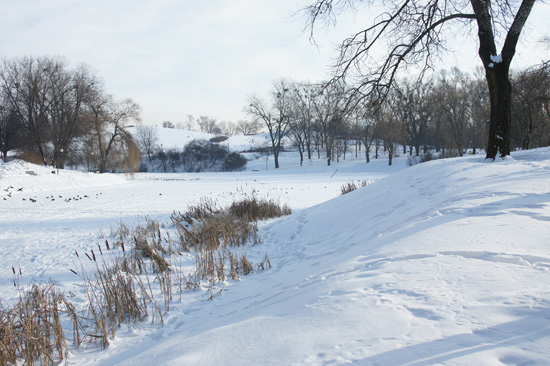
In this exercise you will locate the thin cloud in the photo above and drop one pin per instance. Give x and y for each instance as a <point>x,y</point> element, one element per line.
<point>172,57</point>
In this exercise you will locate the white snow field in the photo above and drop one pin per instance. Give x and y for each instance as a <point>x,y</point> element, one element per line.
<point>443,263</point>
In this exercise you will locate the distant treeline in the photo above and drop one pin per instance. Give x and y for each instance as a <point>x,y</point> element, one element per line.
<point>447,114</point>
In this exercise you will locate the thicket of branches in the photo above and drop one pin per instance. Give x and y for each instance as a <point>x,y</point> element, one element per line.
<point>448,114</point>
<point>197,156</point>
<point>411,35</point>
<point>55,115</point>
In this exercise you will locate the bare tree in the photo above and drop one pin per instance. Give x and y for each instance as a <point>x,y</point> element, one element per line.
<point>227,128</point>
<point>147,139</point>
<point>303,105</point>
<point>479,109</point>
<point>531,94</point>
<point>328,112</point>
<point>414,32</point>
<point>276,116</point>
<point>411,106</point>
<point>26,88</point>
<point>190,122</point>
<point>11,130</point>
<point>124,154</point>
<point>168,124</point>
<point>47,97</point>
<point>249,127</point>
<point>388,129</point>
<point>453,107</point>
<point>208,124</point>
<point>68,92</point>
<point>107,119</point>
<point>365,127</point>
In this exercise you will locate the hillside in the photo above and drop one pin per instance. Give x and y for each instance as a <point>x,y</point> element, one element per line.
<point>173,138</point>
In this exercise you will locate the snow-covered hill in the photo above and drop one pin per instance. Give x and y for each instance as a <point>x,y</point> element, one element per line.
<point>443,263</point>
<point>173,138</point>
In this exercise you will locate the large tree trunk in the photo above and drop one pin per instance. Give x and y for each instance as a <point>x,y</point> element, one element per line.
<point>497,68</point>
<point>276,156</point>
<point>500,92</point>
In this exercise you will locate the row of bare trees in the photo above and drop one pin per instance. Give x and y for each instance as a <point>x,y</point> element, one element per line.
<point>411,35</point>
<point>212,126</point>
<point>57,115</point>
<point>448,114</point>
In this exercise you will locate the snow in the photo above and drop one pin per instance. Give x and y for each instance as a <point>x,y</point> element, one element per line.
<point>445,262</point>
<point>496,58</point>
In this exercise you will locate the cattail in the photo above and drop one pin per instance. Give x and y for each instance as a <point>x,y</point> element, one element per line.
<point>77,254</point>
<point>107,244</point>
<point>93,255</point>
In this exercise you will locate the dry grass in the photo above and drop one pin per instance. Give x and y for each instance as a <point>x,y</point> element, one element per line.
<point>255,209</point>
<point>215,231</point>
<point>352,186</point>
<point>211,232</point>
<point>114,297</point>
<point>122,290</point>
<point>121,232</point>
<point>149,243</point>
<point>31,330</point>
<point>198,212</point>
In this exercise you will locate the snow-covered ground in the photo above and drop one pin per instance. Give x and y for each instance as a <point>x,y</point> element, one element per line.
<point>446,262</point>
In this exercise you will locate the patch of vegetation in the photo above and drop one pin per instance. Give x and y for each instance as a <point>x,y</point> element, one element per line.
<point>197,156</point>
<point>31,330</point>
<point>134,279</point>
<point>254,209</point>
<point>218,139</point>
<point>352,186</point>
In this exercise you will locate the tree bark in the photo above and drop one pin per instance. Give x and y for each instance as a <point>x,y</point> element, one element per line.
<point>497,67</point>
<point>500,92</point>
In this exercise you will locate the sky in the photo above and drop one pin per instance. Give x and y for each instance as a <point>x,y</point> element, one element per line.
<point>184,57</point>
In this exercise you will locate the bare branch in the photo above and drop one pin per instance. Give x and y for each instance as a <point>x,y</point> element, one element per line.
<point>414,36</point>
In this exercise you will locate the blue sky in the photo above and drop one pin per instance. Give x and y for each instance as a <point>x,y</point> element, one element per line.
<point>176,58</point>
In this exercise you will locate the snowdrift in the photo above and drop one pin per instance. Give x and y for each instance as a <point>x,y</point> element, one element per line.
<point>443,263</point>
